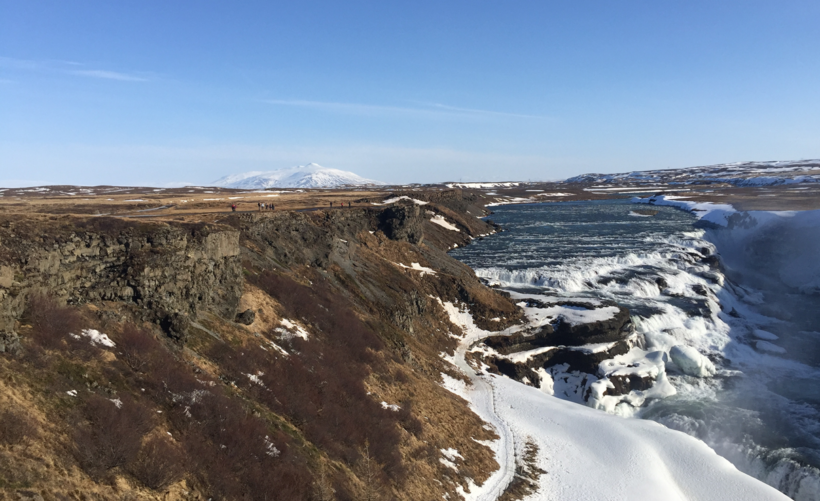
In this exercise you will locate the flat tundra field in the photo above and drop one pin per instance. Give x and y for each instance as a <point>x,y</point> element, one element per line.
<point>194,203</point>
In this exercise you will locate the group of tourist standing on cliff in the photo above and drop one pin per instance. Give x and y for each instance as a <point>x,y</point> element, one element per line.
<point>262,206</point>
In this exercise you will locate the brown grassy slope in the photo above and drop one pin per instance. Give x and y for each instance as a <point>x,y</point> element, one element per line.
<point>375,336</point>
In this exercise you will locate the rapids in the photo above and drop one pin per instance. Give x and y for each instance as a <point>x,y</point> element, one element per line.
<point>761,410</point>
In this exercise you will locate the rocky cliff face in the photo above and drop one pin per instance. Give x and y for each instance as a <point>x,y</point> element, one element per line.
<point>162,269</point>
<point>271,307</point>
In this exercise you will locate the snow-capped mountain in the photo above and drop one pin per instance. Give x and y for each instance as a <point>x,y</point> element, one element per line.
<point>301,176</point>
<point>738,174</point>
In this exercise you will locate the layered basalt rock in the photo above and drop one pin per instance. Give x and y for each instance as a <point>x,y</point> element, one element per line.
<point>616,328</point>
<point>576,346</point>
<point>403,223</point>
<point>167,271</point>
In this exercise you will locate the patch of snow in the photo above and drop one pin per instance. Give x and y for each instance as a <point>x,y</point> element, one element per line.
<point>439,220</point>
<point>481,185</point>
<point>393,407</point>
<point>95,337</point>
<point>276,347</point>
<point>416,266</point>
<point>72,393</point>
<point>271,449</point>
<point>448,464</point>
<point>403,197</point>
<point>255,378</point>
<point>293,329</point>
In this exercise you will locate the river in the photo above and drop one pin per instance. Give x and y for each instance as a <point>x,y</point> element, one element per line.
<point>761,410</point>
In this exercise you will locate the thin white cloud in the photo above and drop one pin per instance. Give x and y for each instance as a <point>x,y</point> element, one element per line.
<point>109,75</point>
<point>66,67</point>
<point>22,64</point>
<point>482,112</point>
<point>354,108</point>
<point>430,110</point>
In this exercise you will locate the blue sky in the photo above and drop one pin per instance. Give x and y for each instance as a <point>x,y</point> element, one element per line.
<point>156,93</point>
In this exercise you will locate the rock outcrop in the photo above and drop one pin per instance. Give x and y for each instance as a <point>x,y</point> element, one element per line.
<point>578,346</point>
<point>169,272</point>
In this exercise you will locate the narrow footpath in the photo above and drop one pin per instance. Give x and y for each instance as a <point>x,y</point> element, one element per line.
<point>482,397</point>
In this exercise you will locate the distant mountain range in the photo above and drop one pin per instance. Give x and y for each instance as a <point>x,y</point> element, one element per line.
<point>738,174</point>
<point>303,176</point>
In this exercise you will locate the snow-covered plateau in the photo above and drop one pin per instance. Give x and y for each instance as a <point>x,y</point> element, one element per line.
<point>741,174</point>
<point>718,344</point>
<point>302,176</point>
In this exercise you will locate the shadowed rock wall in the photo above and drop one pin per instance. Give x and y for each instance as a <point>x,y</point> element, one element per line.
<point>164,269</point>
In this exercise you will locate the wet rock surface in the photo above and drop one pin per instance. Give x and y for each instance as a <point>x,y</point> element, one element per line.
<point>578,346</point>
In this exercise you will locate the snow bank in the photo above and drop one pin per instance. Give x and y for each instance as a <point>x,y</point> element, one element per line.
<point>591,455</point>
<point>392,407</point>
<point>706,211</point>
<point>439,220</point>
<point>291,329</point>
<point>588,454</point>
<point>403,197</point>
<point>416,266</point>
<point>95,337</point>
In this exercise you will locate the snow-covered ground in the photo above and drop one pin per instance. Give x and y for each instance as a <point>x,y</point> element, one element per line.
<point>738,174</point>
<point>588,454</point>
<point>482,185</point>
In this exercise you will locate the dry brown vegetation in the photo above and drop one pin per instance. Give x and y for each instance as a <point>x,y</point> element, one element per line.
<point>231,411</point>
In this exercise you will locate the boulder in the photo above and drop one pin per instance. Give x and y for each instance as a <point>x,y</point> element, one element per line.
<point>9,342</point>
<point>176,326</point>
<point>247,317</point>
<point>691,362</point>
<point>402,222</point>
